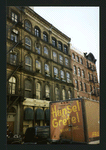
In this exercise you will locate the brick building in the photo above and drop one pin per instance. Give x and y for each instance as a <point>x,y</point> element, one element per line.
<point>85,78</point>
<point>38,68</point>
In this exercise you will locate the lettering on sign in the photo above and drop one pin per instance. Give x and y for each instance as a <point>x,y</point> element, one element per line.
<point>65,115</point>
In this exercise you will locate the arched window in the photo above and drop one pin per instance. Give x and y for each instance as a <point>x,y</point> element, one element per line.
<point>69,94</point>
<point>79,72</point>
<point>61,59</point>
<point>81,87</point>
<point>28,89</point>
<point>54,56</point>
<point>28,63</point>
<point>63,94</point>
<point>90,88</point>
<point>47,91</point>
<point>28,25</point>
<point>66,61</point>
<point>47,69</point>
<point>38,66</point>
<point>54,42</point>
<point>62,74</point>
<point>56,94</point>
<point>45,37</point>
<point>65,49</point>
<point>14,35</point>
<point>76,84</point>
<point>37,32</point>
<point>68,77</point>
<point>77,59</point>
<point>38,91</point>
<point>46,51</point>
<point>12,85</point>
<point>37,48</point>
<point>56,72</point>
<point>13,58</point>
<point>85,87</point>
<point>73,55</point>
<point>81,61</point>
<point>83,74</point>
<point>75,70</point>
<point>28,43</point>
<point>60,46</point>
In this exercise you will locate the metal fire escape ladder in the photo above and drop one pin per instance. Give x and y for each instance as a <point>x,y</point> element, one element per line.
<point>20,65</point>
<point>13,47</point>
<point>12,103</point>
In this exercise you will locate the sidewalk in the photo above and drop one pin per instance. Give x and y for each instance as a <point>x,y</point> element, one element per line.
<point>95,142</point>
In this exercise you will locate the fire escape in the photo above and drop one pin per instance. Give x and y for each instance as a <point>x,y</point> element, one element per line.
<point>15,99</point>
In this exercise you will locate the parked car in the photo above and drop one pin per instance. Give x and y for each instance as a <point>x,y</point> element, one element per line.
<point>37,135</point>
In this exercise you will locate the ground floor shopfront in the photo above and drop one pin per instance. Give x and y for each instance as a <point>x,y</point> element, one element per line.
<point>29,113</point>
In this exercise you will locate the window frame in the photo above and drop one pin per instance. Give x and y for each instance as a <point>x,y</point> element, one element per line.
<point>56,74</point>
<point>66,62</point>
<point>28,64</point>
<point>61,59</point>
<point>28,90</point>
<point>47,91</point>
<point>38,65</point>
<point>38,90</point>
<point>45,36</point>
<point>14,18</point>
<point>37,31</point>
<point>54,58</point>
<point>27,45</point>
<point>12,84</point>
<point>28,27</point>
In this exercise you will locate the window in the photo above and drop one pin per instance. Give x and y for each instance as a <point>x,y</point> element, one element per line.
<point>66,61</point>
<point>54,56</point>
<point>45,51</point>
<point>38,91</point>
<point>45,37</point>
<point>76,84</point>
<point>37,48</point>
<point>28,89</point>
<point>14,17</point>
<point>83,74</point>
<point>56,94</point>
<point>28,43</point>
<point>54,42</point>
<point>79,72</point>
<point>55,72</point>
<point>63,94</point>
<point>13,58</point>
<point>89,75</point>
<point>62,74</point>
<point>14,37</point>
<point>47,91</point>
<point>28,25</point>
<point>65,49</point>
<point>75,70</point>
<point>81,86</point>
<point>61,59</point>
<point>69,95</point>
<point>73,55</point>
<point>12,85</point>
<point>87,64</point>
<point>38,66</point>
<point>85,87</point>
<point>37,32</point>
<point>81,61</point>
<point>28,63</point>
<point>77,59</point>
<point>47,69</point>
<point>90,88</point>
<point>68,77</point>
<point>59,45</point>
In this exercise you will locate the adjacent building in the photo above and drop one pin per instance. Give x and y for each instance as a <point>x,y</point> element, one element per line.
<point>85,77</point>
<point>38,68</point>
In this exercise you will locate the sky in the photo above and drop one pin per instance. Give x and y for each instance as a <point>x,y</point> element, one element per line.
<point>81,24</point>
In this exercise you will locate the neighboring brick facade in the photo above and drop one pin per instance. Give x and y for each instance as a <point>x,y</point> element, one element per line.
<point>89,93</point>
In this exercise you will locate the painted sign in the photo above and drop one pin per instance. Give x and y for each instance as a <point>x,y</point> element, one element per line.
<point>66,121</point>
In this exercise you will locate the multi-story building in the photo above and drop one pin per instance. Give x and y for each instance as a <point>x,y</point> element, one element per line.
<point>85,78</point>
<point>38,68</point>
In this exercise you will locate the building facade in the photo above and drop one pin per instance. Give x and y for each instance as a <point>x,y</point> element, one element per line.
<point>38,68</point>
<point>85,77</point>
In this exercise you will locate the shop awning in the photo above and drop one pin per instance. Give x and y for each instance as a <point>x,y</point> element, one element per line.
<point>47,114</point>
<point>28,114</point>
<point>39,114</point>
